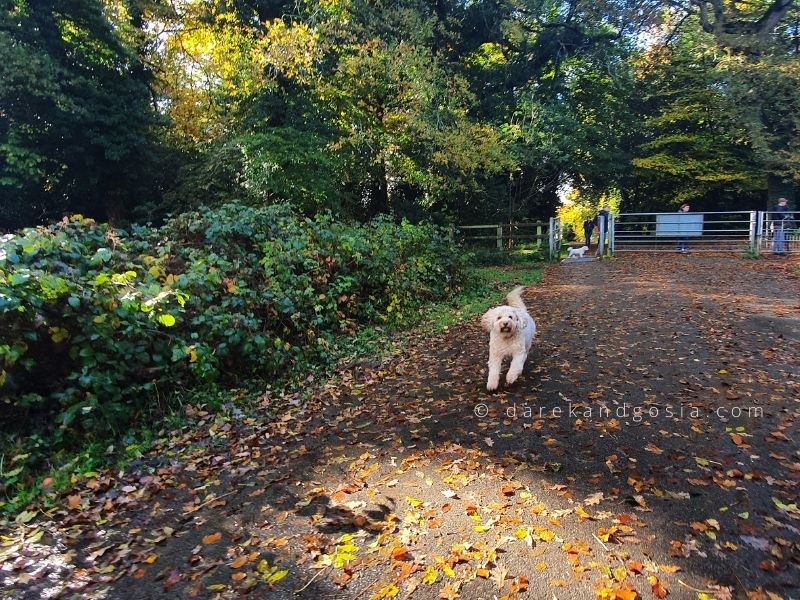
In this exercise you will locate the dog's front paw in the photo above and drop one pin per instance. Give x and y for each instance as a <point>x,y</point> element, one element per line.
<point>492,384</point>
<point>511,377</point>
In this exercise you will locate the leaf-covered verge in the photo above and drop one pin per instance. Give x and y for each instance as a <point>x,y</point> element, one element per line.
<point>105,330</point>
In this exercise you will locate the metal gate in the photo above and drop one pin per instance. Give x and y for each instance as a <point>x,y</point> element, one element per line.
<point>777,233</point>
<point>735,231</point>
<point>555,237</point>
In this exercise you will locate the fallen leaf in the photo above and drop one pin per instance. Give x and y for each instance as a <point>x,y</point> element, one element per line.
<point>212,538</point>
<point>239,562</point>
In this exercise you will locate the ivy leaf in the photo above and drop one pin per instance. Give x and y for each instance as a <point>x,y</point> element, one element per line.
<point>166,319</point>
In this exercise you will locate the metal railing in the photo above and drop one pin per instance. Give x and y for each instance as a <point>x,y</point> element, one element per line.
<point>736,231</point>
<point>554,239</point>
<point>777,232</point>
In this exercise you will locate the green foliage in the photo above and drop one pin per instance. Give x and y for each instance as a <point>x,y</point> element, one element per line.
<point>718,128</point>
<point>454,111</point>
<point>100,325</point>
<point>580,207</point>
<point>486,285</point>
<point>522,254</point>
<point>696,145</point>
<point>77,125</point>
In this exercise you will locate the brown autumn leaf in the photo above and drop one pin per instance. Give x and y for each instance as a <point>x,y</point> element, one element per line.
<point>400,553</point>
<point>739,440</point>
<point>520,584</point>
<point>212,538</point>
<point>509,488</point>
<point>449,591</point>
<point>697,481</point>
<point>613,533</point>
<point>579,547</point>
<point>651,447</point>
<point>343,578</point>
<point>593,499</point>
<point>657,587</point>
<point>174,577</point>
<point>635,566</point>
<point>499,574</point>
<point>768,565</point>
<point>239,562</point>
<point>669,568</point>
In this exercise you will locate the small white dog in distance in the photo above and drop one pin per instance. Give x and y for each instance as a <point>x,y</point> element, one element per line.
<point>578,251</point>
<point>511,330</point>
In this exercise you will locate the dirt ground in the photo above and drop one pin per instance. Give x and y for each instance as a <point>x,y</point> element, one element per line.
<point>649,450</point>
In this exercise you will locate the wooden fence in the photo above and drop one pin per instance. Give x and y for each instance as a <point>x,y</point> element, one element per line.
<point>504,236</point>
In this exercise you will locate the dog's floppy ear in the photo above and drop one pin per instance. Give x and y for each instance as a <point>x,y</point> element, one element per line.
<point>488,319</point>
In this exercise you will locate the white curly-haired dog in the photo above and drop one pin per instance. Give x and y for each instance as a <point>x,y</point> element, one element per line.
<point>511,330</point>
<point>579,252</point>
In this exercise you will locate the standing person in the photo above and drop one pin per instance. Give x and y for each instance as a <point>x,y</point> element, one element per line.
<point>602,223</point>
<point>683,242</point>
<point>588,228</point>
<point>780,221</point>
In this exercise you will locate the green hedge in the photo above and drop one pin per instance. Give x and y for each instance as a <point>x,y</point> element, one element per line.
<point>99,325</point>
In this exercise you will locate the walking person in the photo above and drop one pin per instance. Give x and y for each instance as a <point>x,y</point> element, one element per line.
<point>602,223</point>
<point>588,228</point>
<point>781,217</point>
<point>683,242</point>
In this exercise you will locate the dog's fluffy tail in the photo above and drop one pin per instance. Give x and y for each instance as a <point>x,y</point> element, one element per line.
<point>514,297</point>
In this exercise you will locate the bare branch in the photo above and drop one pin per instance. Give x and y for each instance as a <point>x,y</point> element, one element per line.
<point>773,16</point>
<point>716,20</point>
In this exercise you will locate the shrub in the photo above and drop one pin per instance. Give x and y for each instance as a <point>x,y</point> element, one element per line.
<point>100,324</point>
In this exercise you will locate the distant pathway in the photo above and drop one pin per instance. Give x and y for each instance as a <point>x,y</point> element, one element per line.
<point>405,479</point>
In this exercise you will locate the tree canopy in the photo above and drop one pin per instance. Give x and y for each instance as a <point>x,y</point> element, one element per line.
<point>454,111</point>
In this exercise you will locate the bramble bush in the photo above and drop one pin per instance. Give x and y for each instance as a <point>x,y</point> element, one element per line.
<point>100,325</point>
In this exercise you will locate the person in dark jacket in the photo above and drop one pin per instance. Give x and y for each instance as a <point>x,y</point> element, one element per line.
<point>781,218</point>
<point>588,228</point>
<point>683,242</point>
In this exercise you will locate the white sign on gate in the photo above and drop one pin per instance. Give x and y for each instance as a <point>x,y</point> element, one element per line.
<point>679,224</point>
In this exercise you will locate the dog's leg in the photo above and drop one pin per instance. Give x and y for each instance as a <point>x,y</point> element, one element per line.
<point>515,369</point>
<point>494,374</point>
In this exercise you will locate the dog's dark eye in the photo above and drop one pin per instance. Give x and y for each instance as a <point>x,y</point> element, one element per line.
<point>498,318</point>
